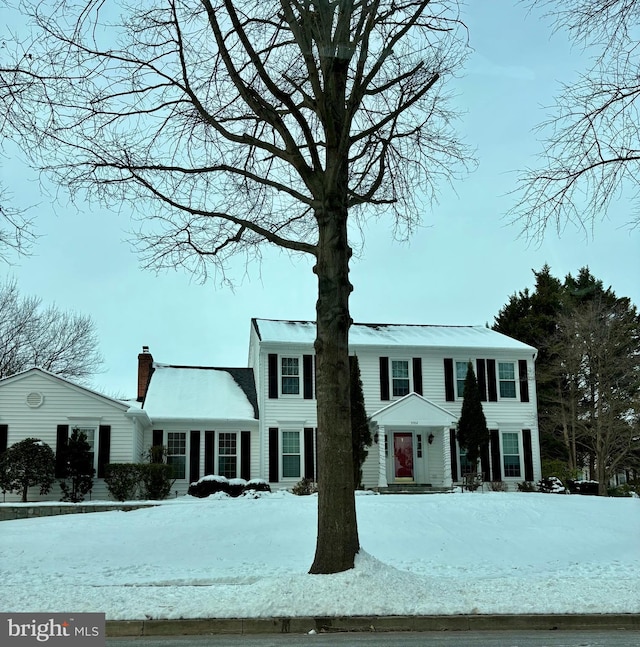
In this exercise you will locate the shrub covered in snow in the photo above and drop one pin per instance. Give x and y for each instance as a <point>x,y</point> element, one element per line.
<point>304,487</point>
<point>214,484</point>
<point>583,487</point>
<point>527,486</point>
<point>551,485</point>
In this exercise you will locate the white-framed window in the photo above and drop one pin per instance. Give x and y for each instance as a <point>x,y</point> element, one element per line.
<point>228,454</point>
<point>511,455</point>
<point>91,434</point>
<point>291,455</point>
<point>177,453</point>
<point>290,375</point>
<point>400,380</point>
<point>507,379</point>
<point>461,375</point>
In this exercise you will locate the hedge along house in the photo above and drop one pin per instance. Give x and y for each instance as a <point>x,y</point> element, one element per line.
<point>413,378</point>
<point>39,404</point>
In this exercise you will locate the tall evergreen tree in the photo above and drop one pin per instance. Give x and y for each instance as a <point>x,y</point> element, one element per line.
<point>473,434</point>
<point>360,429</point>
<point>78,467</point>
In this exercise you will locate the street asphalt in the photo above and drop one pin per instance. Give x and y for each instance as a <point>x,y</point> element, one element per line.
<point>191,627</point>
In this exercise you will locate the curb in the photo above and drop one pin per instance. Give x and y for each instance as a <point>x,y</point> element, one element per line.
<point>303,625</point>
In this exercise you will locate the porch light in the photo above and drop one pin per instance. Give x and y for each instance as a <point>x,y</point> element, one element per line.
<point>430,439</point>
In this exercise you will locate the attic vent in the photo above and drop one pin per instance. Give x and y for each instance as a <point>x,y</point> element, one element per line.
<point>35,399</point>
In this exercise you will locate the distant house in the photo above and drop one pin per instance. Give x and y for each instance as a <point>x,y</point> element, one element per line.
<point>260,421</point>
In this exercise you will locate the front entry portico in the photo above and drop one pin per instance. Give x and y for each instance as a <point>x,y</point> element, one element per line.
<point>413,442</point>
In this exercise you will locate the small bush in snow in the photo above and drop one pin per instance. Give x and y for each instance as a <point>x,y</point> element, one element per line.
<point>583,487</point>
<point>304,487</point>
<point>258,485</point>
<point>157,480</point>
<point>209,484</point>
<point>527,486</point>
<point>551,485</point>
<point>123,480</point>
<point>497,486</point>
<point>625,490</point>
<point>236,487</point>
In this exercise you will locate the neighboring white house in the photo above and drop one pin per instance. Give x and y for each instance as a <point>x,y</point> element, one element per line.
<point>260,421</point>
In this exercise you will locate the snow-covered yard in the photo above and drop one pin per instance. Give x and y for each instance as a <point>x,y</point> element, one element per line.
<point>421,554</point>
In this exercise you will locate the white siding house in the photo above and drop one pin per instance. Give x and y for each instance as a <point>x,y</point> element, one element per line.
<point>412,380</point>
<point>39,404</point>
<point>261,422</point>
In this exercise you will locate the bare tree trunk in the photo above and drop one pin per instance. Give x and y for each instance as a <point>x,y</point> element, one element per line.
<point>338,541</point>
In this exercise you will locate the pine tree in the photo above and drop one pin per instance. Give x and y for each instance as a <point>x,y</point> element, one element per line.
<point>360,430</point>
<point>473,434</point>
<point>79,467</point>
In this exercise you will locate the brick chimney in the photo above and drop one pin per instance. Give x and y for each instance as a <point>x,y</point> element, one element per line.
<point>145,364</point>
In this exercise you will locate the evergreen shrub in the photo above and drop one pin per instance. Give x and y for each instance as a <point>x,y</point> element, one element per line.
<point>527,486</point>
<point>156,480</point>
<point>304,487</point>
<point>123,480</point>
<point>551,485</point>
<point>497,486</point>
<point>208,485</point>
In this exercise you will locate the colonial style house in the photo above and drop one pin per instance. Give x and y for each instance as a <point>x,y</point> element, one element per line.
<point>260,421</point>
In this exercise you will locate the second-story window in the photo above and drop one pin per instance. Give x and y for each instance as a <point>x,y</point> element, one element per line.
<point>400,377</point>
<point>290,375</point>
<point>507,379</point>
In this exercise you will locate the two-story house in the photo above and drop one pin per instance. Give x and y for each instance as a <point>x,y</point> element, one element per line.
<point>260,421</point>
<point>413,378</point>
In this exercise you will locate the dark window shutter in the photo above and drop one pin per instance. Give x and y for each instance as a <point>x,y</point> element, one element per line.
<point>194,456</point>
<point>524,380</point>
<point>453,447</point>
<point>384,378</point>
<point>481,372</point>
<point>417,375</point>
<point>273,375</point>
<point>104,449</point>
<point>496,464</point>
<point>62,440</point>
<point>307,377</point>
<point>492,386</point>
<point>449,392</point>
<point>485,463</point>
<point>4,438</point>
<point>209,453</point>
<point>528,454</point>
<point>245,455</point>
<point>158,436</point>
<point>308,453</point>
<point>273,454</point>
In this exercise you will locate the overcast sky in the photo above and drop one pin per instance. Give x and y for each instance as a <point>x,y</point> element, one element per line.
<point>459,268</point>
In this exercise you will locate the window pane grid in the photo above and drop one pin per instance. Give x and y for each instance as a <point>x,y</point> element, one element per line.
<point>511,454</point>
<point>400,377</point>
<point>290,374</point>
<point>227,444</point>
<point>507,379</point>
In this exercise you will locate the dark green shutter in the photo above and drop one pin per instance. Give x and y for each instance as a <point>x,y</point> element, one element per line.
<point>273,454</point>
<point>417,375</point>
<point>307,377</point>
<point>309,471</point>
<point>384,378</point>
<point>245,455</point>
<point>62,440</point>
<point>194,456</point>
<point>4,438</point>
<point>492,386</point>
<point>104,449</point>
<point>481,372</point>
<point>524,380</point>
<point>209,453</point>
<point>453,448</point>
<point>157,438</point>
<point>449,391</point>
<point>528,454</point>
<point>485,463</point>
<point>273,375</point>
<point>496,464</point>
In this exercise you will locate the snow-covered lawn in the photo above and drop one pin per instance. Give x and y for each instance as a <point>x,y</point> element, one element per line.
<point>421,554</point>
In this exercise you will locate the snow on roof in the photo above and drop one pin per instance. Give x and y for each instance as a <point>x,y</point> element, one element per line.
<point>192,392</point>
<point>304,332</point>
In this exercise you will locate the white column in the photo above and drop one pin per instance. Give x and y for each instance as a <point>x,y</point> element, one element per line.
<point>446,455</point>
<point>382,461</point>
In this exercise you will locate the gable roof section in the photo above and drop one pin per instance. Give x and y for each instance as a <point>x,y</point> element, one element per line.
<point>201,392</point>
<point>406,335</point>
<point>418,410</point>
<point>27,374</point>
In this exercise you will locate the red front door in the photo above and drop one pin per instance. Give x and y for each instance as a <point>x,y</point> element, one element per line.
<point>403,455</point>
